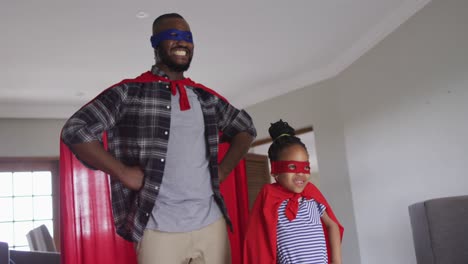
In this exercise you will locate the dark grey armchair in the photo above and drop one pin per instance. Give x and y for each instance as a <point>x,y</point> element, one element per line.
<point>27,257</point>
<point>440,230</point>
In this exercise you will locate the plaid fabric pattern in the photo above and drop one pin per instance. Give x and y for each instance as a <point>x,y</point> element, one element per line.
<point>136,116</point>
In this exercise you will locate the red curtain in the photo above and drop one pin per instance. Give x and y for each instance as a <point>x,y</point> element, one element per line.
<point>86,223</point>
<point>234,191</point>
<point>87,229</point>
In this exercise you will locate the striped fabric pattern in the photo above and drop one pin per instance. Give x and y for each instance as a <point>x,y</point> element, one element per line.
<point>301,240</point>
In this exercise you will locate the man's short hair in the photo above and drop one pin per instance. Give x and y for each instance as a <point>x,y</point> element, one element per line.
<point>159,19</point>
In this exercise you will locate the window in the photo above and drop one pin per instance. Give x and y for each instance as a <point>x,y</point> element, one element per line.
<point>28,199</point>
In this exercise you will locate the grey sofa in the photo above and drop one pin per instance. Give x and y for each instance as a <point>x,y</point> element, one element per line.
<point>27,257</point>
<point>440,230</point>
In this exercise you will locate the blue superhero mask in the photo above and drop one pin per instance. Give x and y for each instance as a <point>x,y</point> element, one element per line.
<point>171,34</point>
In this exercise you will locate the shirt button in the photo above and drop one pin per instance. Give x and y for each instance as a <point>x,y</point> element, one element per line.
<point>165,132</point>
<point>162,160</point>
<point>168,107</point>
<point>147,214</point>
<point>156,188</point>
<point>167,86</point>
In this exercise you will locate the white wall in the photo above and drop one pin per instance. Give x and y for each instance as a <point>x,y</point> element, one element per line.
<point>396,122</point>
<point>405,107</point>
<point>30,137</point>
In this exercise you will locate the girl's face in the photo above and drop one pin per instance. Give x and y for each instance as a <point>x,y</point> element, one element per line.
<point>294,182</point>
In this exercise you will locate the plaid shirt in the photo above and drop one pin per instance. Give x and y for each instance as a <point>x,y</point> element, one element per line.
<point>136,116</point>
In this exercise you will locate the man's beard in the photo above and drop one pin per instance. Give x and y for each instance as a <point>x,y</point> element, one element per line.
<point>166,60</point>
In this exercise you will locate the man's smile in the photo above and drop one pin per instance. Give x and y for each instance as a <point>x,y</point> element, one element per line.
<point>180,52</point>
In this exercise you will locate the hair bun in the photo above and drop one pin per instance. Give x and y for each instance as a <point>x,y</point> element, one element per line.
<point>280,128</point>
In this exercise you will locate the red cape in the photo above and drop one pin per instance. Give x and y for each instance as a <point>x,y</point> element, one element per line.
<point>150,77</point>
<point>260,239</point>
<point>78,248</point>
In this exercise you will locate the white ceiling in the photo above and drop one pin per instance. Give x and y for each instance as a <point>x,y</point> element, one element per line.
<point>57,55</point>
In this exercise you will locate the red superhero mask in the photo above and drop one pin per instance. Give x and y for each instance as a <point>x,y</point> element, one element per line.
<point>290,166</point>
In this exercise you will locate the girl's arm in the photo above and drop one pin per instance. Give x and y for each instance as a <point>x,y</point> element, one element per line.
<point>334,238</point>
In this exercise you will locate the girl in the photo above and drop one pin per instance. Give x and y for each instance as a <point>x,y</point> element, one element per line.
<point>291,222</point>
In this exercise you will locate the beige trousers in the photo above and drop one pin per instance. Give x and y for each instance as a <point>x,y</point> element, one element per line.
<point>209,245</point>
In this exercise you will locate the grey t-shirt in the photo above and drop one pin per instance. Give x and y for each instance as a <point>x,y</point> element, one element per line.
<point>185,201</point>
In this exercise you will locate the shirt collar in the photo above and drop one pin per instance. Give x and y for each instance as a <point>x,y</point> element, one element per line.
<point>156,71</point>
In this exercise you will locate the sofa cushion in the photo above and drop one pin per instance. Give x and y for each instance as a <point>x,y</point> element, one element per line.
<point>34,257</point>
<point>4,253</point>
<point>440,230</point>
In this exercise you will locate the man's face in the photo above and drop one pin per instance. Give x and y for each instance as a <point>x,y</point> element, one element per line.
<point>174,55</point>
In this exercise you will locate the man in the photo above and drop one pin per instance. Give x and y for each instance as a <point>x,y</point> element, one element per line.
<point>163,134</point>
